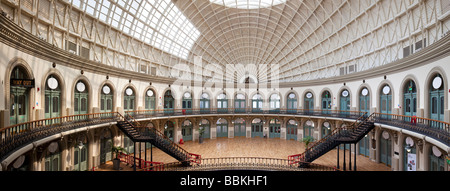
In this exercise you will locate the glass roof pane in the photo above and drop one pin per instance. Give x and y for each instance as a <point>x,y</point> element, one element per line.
<point>142,18</point>
<point>248,4</point>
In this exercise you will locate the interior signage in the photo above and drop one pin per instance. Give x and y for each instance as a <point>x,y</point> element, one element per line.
<point>23,83</point>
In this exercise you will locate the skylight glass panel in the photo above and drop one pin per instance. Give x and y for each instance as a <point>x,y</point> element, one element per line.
<point>248,4</point>
<point>156,22</point>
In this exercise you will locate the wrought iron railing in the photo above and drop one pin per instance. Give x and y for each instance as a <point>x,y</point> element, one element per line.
<point>15,137</point>
<point>438,130</point>
<point>239,163</point>
<point>140,114</point>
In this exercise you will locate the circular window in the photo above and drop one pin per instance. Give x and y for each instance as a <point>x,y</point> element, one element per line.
<point>106,89</point>
<point>129,91</point>
<point>345,93</point>
<point>81,87</point>
<point>52,83</point>
<point>149,93</point>
<point>365,92</point>
<point>187,95</point>
<point>386,90</point>
<point>437,82</point>
<point>309,95</point>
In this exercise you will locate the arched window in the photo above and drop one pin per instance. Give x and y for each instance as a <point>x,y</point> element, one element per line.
<point>187,102</point>
<point>410,98</point>
<point>364,101</point>
<point>274,103</point>
<point>81,97</point>
<point>239,103</point>
<point>222,103</point>
<point>52,97</point>
<point>292,103</point>
<point>257,103</point>
<point>437,160</point>
<point>150,100</point>
<point>204,103</point>
<point>106,99</point>
<point>168,102</point>
<point>437,97</point>
<point>129,100</point>
<point>326,102</point>
<point>19,96</point>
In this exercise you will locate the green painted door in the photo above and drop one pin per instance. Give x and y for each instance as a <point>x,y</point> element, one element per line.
<point>410,100</point>
<point>385,102</point>
<point>19,105</point>
<point>345,104</point>
<point>308,131</point>
<point>437,99</point>
<point>186,131</point>
<point>222,105</point>
<point>206,134</point>
<point>150,105</point>
<point>222,130</point>
<point>239,106</point>
<point>80,103</point>
<point>257,129</point>
<point>292,103</point>
<point>364,101</point>
<point>80,158</point>
<point>52,103</point>
<point>105,150</point>
<point>326,103</point>
<point>53,162</point>
<point>239,128</point>
<point>291,130</point>
<point>169,130</point>
<point>274,128</point>
<point>385,151</point>
<point>168,103</point>
<point>364,147</point>
<point>204,106</point>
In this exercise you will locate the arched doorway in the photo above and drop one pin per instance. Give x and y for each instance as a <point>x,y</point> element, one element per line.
<point>81,98</point>
<point>52,97</point>
<point>239,127</point>
<point>257,127</point>
<point>21,83</point>
<point>168,102</point>
<point>274,128</point>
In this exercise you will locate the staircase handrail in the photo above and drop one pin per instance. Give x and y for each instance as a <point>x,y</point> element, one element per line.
<point>336,131</point>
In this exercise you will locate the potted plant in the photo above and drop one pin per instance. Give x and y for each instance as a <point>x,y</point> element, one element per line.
<point>116,161</point>
<point>307,140</point>
<point>201,132</point>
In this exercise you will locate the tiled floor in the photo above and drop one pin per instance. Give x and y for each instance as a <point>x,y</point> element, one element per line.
<point>256,147</point>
